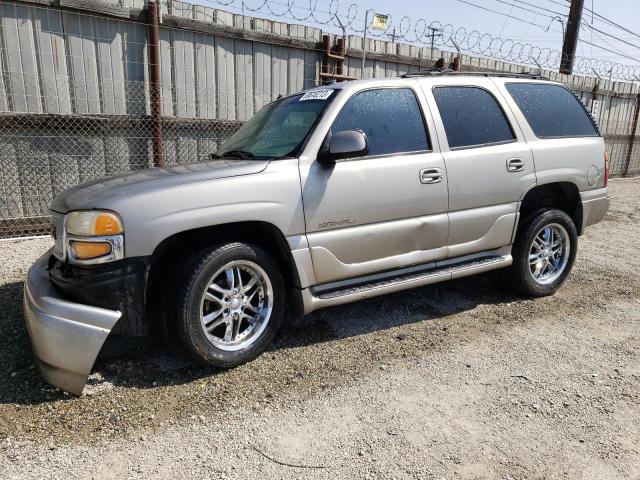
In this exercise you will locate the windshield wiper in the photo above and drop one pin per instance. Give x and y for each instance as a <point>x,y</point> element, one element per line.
<point>243,154</point>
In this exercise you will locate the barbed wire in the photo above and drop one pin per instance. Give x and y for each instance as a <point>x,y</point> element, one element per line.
<point>444,36</point>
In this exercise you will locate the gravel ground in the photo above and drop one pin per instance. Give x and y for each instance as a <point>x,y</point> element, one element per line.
<point>457,380</point>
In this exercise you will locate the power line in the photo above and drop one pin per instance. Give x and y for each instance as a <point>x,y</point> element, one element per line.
<point>545,28</point>
<point>504,14</point>
<point>619,52</point>
<point>504,24</point>
<point>610,35</point>
<point>534,6</point>
<point>605,19</point>
<point>610,51</point>
<point>555,2</point>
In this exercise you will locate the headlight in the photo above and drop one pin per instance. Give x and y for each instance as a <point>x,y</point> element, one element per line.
<point>93,237</point>
<point>93,223</point>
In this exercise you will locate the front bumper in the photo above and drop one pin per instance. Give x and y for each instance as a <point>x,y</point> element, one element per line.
<point>66,336</point>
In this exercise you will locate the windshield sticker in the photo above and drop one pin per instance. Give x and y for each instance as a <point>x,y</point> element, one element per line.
<point>316,95</point>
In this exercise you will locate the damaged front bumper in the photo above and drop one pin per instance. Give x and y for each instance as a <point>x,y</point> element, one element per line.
<point>66,336</point>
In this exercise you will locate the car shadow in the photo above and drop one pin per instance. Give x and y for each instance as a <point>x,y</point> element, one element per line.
<point>122,359</point>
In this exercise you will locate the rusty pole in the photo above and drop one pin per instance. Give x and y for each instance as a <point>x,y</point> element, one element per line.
<point>340,61</point>
<point>326,47</point>
<point>155,93</point>
<point>457,61</point>
<point>632,138</point>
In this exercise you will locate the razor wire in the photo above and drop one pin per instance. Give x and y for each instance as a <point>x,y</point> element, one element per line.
<point>71,114</point>
<point>420,31</point>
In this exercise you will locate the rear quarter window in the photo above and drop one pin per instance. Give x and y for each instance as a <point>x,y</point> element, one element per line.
<point>552,110</point>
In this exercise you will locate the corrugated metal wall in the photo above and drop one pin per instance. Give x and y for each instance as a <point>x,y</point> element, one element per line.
<point>60,62</point>
<point>74,96</point>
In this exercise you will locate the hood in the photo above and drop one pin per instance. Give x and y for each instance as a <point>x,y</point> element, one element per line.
<point>99,193</point>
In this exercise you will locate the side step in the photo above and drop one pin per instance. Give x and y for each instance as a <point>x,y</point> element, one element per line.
<point>339,293</point>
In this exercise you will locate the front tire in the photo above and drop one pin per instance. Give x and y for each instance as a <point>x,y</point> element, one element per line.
<point>229,304</point>
<point>544,252</point>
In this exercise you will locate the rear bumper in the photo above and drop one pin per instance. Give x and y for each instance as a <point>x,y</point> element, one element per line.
<point>66,336</point>
<point>595,204</point>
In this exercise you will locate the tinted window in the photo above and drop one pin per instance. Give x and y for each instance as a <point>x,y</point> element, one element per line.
<point>552,110</point>
<point>391,119</point>
<point>471,116</point>
<point>279,129</point>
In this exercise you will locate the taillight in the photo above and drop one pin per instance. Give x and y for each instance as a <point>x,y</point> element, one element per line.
<point>606,168</point>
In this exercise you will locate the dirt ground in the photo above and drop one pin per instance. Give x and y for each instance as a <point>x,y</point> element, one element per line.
<point>457,380</point>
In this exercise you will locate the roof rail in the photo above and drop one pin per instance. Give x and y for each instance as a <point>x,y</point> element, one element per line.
<point>446,71</point>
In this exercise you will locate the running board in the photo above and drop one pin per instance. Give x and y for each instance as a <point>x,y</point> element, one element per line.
<point>339,293</point>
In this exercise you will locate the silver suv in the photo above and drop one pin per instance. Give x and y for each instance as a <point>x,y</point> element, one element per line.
<point>339,193</point>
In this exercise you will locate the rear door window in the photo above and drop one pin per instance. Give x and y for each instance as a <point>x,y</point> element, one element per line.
<point>552,110</point>
<point>471,117</point>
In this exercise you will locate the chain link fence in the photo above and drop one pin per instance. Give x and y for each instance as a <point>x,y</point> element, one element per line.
<point>75,101</point>
<point>75,97</point>
<point>44,154</point>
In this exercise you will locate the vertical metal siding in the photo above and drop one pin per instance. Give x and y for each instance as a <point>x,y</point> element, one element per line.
<point>262,77</point>
<point>205,76</point>
<point>23,90</point>
<point>225,78</point>
<point>244,79</point>
<point>52,60</point>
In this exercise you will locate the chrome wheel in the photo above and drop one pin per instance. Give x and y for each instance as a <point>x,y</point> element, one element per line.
<point>549,253</point>
<point>236,305</point>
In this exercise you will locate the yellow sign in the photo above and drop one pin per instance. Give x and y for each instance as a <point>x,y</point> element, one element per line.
<point>379,21</point>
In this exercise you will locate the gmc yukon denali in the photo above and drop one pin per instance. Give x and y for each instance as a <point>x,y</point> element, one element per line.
<point>336,194</point>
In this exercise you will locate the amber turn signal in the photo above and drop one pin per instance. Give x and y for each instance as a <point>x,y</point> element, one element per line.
<point>107,224</point>
<point>88,250</point>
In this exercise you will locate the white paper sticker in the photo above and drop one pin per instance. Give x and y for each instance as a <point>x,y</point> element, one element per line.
<point>316,95</point>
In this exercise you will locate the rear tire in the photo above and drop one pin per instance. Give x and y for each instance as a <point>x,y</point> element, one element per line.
<point>544,252</point>
<point>229,304</point>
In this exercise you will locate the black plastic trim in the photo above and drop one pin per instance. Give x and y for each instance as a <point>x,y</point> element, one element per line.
<point>118,285</point>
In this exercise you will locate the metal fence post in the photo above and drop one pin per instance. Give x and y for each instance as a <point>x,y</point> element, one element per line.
<point>326,46</point>
<point>155,91</point>
<point>632,137</point>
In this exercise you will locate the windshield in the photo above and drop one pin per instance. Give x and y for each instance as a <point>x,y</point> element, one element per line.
<point>277,130</point>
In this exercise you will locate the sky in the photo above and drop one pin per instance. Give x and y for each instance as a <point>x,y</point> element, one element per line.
<point>623,12</point>
<point>534,23</point>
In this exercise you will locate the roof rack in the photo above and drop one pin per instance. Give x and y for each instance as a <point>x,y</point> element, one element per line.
<point>446,71</point>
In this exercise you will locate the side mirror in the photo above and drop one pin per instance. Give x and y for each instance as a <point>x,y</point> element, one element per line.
<point>345,144</point>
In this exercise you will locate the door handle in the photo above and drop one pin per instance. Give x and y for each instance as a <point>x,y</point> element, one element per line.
<point>431,175</point>
<point>515,165</point>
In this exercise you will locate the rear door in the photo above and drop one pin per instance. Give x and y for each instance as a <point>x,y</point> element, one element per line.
<point>489,164</point>
<point>564,139</point>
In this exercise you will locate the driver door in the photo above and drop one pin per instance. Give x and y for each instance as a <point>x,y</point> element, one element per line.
<point>386,209</point>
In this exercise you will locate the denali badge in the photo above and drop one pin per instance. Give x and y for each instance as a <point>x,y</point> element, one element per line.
<point>337,223</point>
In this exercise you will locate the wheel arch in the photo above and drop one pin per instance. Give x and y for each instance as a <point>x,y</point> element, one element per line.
<point>259,233</point>
<point>563,195</point>
<point>164,262</point>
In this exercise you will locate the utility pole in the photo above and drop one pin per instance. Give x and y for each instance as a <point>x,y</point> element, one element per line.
<point>433,36</point>
<point>393,36</point>
<point>571,37</point>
